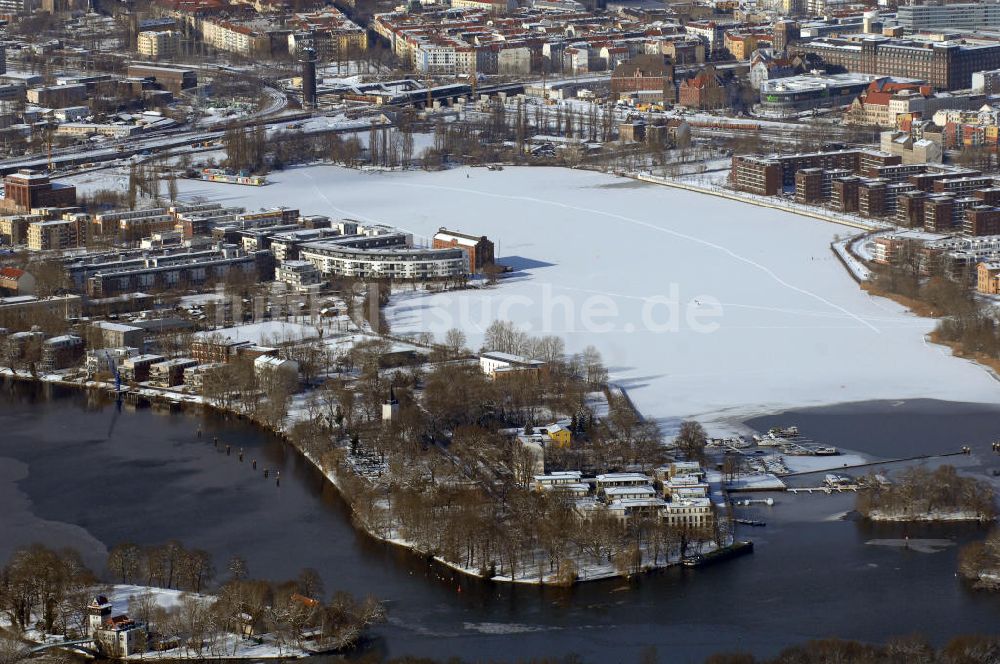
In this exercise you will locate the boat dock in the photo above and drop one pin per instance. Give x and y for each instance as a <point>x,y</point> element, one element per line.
<point>824,489</point>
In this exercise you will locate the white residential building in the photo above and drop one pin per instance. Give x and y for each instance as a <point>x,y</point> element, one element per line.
<point>157,45</point>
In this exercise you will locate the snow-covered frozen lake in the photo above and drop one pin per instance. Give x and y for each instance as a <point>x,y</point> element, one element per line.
<point>701,306</point>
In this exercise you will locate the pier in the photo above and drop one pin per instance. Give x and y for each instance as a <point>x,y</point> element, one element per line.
<point>824,489</point>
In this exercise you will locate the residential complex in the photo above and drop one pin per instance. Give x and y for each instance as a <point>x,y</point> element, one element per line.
<point>873,184</point>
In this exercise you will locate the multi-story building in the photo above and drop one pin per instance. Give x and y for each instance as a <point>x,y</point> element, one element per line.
<point>809,186</point>
<point>947,65</point>
<point>704,91</point>
<point>54,234</point>
<point>27,190</point>
<point>148,219</point>
<point>741,44</point>
<point>209,347</point>
<point>170,270</point>
<point>769,174</point>
<point>649,77</point>
<point>949,16</point>
<point>844,196</point>
<point>872,198</point>
<point>170,373</point>
<point>15,281</point>
<point>986,82</point>
<point>390,263</point>
<point>117,335</point>
<point>713,33</point>
<point>939,213</point>
<point>61,352</point>
<point>23,310</point>
<point>300,275</point>
<point>479,248</point>
<point>332,35</point>
<point>14,228</point>
<point>981,220</point>
<point>913,151</point>
<point>235,38</point>
<point>136,369</point>
<point>960,186</point>
<point>691,514</point>
<point>757,175</point>
<point>58,96</point>
<point>988,277</point>
<point>158,45</point>
<point>790,95</point>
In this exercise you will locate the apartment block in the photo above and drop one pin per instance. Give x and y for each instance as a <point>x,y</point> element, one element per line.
<point>757,175</point>
<point>54,235</point>
<point>981,220</point>
<point>809,186</point>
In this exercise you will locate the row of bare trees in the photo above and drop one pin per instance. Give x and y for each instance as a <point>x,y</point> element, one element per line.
<point>169,565</point>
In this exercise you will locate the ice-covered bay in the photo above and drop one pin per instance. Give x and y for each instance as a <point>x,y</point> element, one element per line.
<point>701,306</point>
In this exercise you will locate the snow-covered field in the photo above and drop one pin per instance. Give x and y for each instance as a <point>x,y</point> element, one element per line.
<point>700,306</point>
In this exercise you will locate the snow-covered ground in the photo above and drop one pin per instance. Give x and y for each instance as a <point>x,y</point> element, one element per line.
<point>701,306</point>
<point>270,332</point>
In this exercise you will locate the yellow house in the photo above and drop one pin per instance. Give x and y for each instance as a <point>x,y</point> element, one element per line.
<point>558,434</point>
<point>988,278</point>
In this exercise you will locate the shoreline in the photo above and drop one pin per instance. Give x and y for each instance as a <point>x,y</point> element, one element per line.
<point>154,396</point>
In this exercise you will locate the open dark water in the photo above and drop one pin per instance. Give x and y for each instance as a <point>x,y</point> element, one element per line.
<point>76,472</point>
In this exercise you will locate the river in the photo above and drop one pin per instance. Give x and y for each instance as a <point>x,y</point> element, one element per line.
<point>74,471</point>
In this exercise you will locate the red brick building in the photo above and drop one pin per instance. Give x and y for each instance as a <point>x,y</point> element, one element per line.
<point>649,77</point>
<point>705,91</point>
<point>479,248</point>
<point>981,220</point>
<point>27,190</point>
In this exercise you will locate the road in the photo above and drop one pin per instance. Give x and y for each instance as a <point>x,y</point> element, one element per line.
<point>164,141</point>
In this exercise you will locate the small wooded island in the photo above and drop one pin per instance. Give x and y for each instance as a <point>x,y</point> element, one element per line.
<point>920,494</point>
